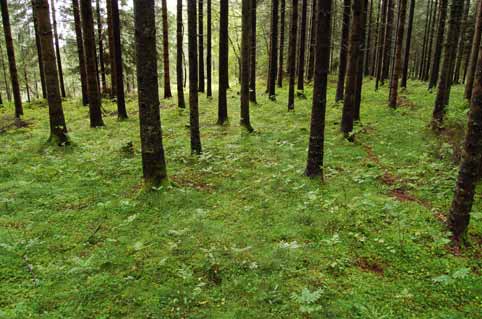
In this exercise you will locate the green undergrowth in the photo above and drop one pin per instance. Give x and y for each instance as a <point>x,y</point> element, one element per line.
<point>240,232</point>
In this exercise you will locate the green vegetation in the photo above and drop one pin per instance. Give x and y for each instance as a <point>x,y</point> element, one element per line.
<point>239,232</point>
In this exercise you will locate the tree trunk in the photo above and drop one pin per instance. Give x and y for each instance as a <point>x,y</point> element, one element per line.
<point>95,102</point>
<point>340,88</point>
<point>153,161</point>
<point>80,51</point>
<point>58,129</point>
<point>292,53</point>
<point>193,76</point>
<point>57,50</point>
<point>424,42</point>
<point>119,72</point>
<point>101,46</point>
<point>314,165</point>
<point>223,62</point>
<point>473,53</point>
<point>39,54</point>
<point>281,42</point>
<point>301,52</point>
<point>273,50</point>
<point>444,84</point>
<point>4,71</point>
<point>209,58</point>
<point>461,45</point>
<point>387,44</point>
<point>252,52</point>
<point>11,59</point>
<point>359,70</point>
<point>179,45</point>
<point>381,45</point>
<point>434,74</point>
<point>201,47</point>
<point>245,63</point>
<point>165,52</point>
<point>366,63</point>
<point>375,48</point>
<point>408,43</point>
<point>397,66</point>
<point>110,29</point>
<point>311,57</point>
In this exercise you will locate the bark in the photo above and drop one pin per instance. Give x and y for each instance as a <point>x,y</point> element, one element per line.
<point>408,43</point>
<point>39,53</point>
<point>181,103</point>
<point>387,44</point>
<point>314,165</point>
<point>273,50</point>
<point>434,74</point>
<point>375,51</point>
<point>101,46</point>
<point>201,47</point>
<point>119,72</point>
<point>461,45</point>
<point>223,62</point>
<point>165,52</point>
<point>474,53</point>
<point>110,29</point>
<point>252,53</point>
<point>153,160</point>
<point>281,42</point>
<point>426,70</point>
<point>397,66</point>
<point>58,129</point>
<point>292,53</point>
<point>359,70</point>
<point>193,77</point>
<point>245,57</point>
<point>302,46</point>
<point>424,42</point>
<point>366,63</point>
<point>311,58</point>
<point>57,50</point>
<point>80,51</point>
<point>11,59</point>
<point>381,46</point>
<point>444,84</point>
<point>95,102</point>
<point>209,58</point>
<point>4,71</point>
<point>340,88</point>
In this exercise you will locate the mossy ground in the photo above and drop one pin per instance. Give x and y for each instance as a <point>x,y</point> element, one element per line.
<point>240,233</point>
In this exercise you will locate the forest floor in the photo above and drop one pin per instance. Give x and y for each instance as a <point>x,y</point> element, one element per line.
<point>240,232</point>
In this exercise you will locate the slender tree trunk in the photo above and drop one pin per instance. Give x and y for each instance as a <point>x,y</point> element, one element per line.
<point>110,29</point>
<point>165,52</point>
<point>57,50</point>
<point>209,58</point>
<point>424,42</point>
<point>314,165</point>
<point>153,160</point>
<point>252,52</point>
<point>397,66</point>
<point>80,51</point>
<point>193,76</point>
<point>301,52</point>
<point>461,45</point>
<point>366,63</point>
<point>434,74</point>
<point>273,51</point>
<point>11,59</point>
<point>444,84</point>
<point>340,88</point>
<point>426,72</point>
<point>473,53</point>
<point>408,43</point>
<point>58,129</point>
<point>311,57</point>
<point>359,79</point>
<point>101,46</point>
<point>292,53</point>
<point>39,54</point>
<point>223,62</point>
<point>201,47</point>
<point>381,46</point>
<point>179,70</point>
<point>388,41</point>
<point>375,48</point>
<point>121,103</point>
<point>245,57</point>
<point>281,42</point>
<point>95,102</point>
<point>5,80</point>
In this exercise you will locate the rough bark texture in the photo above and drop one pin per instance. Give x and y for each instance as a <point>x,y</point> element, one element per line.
<point>281,42</point>
<point>80,51</point>
<point>340,88</point>
<point>39,53</point>
<point>245,57</point>
<point>445,81</point>
<point>165,52</point>
<point>474,53</point>
<point>193,77</point>
<point>273,50</point>
<point>434,73</point>
<point>201,46</point>
<point>57,50</point>
<point>153,161</point>
<point>311,57</point>
<point>223,62</point>
<point>119,72</point>
<point>58,129</point>
<point>292,44</point>
<point>459,215</point>
<point>408,43</point>
<point>397,66</point>
<point>101,46</point>
<point>95,102</point>
<point>181,103</point>
<point>209,58</point>
<point>314,165</point>
<point>302,46</point>
<point>110,31</point>
<point>11,59</point>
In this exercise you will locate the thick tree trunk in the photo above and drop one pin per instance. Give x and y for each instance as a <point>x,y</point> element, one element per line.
<point>58,129</point>
<point>57,50</point>
<point>445,81</point>
<point>301,51</point>
<point>110,31</point>
<point>273,50</point>
<point>209,58</point>
<point>11,59</point>
<point>119,72</point>
<point>165,52</point>
<point>340,88</point>
<point>193,76</point>
<point>314,165</point>
<point>80,51</point>
<point>281,42</point>
<point>153,161</point>
<point>95,102</point>
<point>39,54</point>
<point>434,73</point>
<point>179,49</point>
<point>311,57</point>
<point>474,53</point>
<point>408,43</point>
<point>201,47</point>
<point>245,63</point>
<point>292,45</point>
<point>397,66</point>
<point>101,46</point>
<point>223,62</point>
<point>252,52</point>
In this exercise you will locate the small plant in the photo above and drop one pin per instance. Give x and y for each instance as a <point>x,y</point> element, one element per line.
<point>307,300</point>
